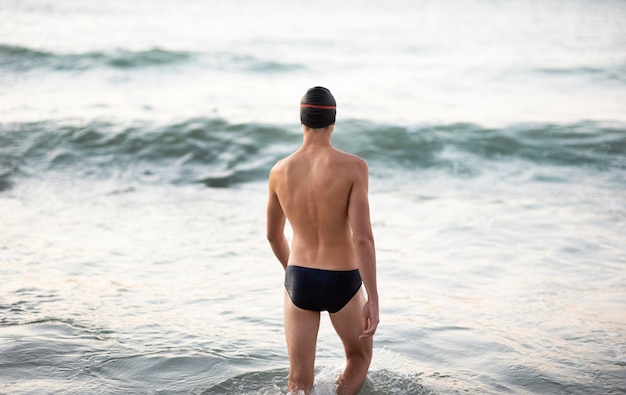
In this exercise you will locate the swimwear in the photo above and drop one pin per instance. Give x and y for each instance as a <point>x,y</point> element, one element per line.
<point>319,289</point>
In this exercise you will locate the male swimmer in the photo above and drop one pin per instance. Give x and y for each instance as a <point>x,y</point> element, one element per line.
<point>323,193</point>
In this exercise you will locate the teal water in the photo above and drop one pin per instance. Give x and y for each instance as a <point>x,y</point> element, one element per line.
<point>135,143</point>
<point>219,154</point>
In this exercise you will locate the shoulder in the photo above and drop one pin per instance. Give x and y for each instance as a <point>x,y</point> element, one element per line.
<point>351,168</point>
<point>276,173</point>
<point>280,169</point>
<point>277,166</point>
<point>281,165</point>
<point>354,161</point>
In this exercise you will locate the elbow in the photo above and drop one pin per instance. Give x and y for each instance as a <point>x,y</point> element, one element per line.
<point>274,238</point>
<point>363,241</point>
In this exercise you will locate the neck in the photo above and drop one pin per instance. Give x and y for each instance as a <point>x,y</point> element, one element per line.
<point>318,137</point>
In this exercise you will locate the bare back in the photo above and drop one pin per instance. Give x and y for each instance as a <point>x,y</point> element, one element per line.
<point>314,187</point>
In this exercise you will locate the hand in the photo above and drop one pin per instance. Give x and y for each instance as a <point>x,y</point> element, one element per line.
<point>370,319</point>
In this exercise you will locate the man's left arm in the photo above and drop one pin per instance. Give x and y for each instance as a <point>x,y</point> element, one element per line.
<point>276,227</point>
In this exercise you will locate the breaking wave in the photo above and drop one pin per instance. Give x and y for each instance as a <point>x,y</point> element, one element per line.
<point>20,59</point>
<point>219,154</point>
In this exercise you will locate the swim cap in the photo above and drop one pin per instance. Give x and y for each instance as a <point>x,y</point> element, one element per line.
<point>318,108</point>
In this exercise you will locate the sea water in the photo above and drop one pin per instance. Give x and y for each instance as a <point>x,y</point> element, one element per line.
<point>135,143</point>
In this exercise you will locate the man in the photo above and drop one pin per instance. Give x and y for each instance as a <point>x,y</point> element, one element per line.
<point>323,193</point>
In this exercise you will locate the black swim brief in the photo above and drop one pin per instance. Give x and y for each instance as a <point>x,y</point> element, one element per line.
<point>319,289</point>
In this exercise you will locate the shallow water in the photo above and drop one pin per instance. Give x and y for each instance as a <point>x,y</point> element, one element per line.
<point>135,143</point>
<point>173,289</point>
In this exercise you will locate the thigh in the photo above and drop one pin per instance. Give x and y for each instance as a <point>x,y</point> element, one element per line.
<point>301,329</point>
<point>348,323</point>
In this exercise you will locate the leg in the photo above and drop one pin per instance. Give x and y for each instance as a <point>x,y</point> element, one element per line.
<point>301,328</point>
<point>348,323</point>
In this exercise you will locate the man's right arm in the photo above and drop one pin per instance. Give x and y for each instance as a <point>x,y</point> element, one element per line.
<point>363,242</point>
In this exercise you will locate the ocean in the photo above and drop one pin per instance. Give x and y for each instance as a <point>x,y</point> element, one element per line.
<point>135,143</point>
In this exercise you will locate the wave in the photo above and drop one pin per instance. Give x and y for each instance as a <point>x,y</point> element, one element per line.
<point>219,154</point>
<point>595,144</point>
<point>20,59</point>
<point>196,151</point>
<point>611,73</point>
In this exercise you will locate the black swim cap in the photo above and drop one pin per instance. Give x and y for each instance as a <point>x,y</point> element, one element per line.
<point>318,108</point>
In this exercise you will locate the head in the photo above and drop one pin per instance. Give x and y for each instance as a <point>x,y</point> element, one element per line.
<point>318,108</point>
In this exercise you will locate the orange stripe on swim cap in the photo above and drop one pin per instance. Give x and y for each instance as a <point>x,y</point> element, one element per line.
<point>306,105</point>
